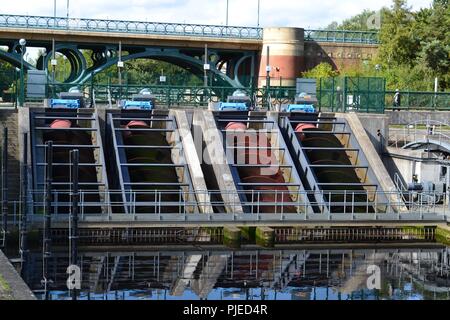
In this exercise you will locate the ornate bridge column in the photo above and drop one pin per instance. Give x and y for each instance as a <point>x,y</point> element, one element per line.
<point>287,59</point>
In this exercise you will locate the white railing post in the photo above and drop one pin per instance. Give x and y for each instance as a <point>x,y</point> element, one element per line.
<point>329,207</point>
<point>353,206</point>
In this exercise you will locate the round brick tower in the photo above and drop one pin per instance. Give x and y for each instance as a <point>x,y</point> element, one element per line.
<point>286,56</point>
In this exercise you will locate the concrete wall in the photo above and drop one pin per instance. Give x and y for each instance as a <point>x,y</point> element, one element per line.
<point>16,288</point>
<point>9,119</point>
<point>398,161</point>
<point>407,163</point>
<point>374,123</point>
<point>408,117</point>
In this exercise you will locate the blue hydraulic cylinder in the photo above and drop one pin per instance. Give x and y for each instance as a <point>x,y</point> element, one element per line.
<point>137,105</point>
<point>301,108</point>
<point>232,106</point>
<point>64,103</point>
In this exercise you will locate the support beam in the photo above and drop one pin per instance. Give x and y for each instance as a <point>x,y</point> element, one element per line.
<point>47,217</point>
<point>75,158</point>
<point>24,208</point>
<point>204,121</point>
<point>195,169</point>
<point>374,161</point>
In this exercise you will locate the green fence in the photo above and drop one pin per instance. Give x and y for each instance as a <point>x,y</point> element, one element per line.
<point>344,94</point>
<point>426,101</point>
<point>174,96</point>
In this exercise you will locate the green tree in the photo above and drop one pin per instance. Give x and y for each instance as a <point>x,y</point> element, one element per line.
<point>323,70</point>
<point>356,23</point>
<point>435,56</point>
<point>6,76</point>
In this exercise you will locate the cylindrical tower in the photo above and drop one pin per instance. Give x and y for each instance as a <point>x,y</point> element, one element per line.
<point>286,56</point>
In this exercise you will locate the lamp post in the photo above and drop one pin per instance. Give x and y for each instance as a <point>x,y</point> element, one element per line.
<point>22,43</point>
<point>44,54</point>
<point>227,12</point>
<point>259,9</point>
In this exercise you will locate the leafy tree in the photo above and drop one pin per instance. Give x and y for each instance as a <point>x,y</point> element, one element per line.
<point>6,76</point>
<point>323,70</point>
<point>435,56</point>
<point>356,23</point>
<point>414,49</point>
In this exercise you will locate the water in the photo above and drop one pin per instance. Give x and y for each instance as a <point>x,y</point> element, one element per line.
<point>254,274</point>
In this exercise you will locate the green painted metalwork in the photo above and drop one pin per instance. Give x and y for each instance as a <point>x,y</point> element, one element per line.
<point>344,36</point>
<point>414,100</point>
<point>178,29</point>
<point>363,94</point>
<point>240,71</point>
<point>343,94</point>
<point>131,27</point>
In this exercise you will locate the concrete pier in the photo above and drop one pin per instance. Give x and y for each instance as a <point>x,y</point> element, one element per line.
<point>12,287</point>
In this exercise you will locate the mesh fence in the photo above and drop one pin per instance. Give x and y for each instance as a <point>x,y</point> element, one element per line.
<point>340,94</point>
<point>344,94</point>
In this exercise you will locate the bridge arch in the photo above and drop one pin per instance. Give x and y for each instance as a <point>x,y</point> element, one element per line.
<point>237,65</point>
<point>76,60</point>
<point>15,60</point>
<point>171,56</point>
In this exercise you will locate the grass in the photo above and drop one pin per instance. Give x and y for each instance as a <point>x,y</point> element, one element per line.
<point>5,290</point>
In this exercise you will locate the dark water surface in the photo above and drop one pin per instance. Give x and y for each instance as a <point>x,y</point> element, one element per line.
<point>406,273</point>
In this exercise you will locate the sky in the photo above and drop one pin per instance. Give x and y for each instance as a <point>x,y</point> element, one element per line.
<point>273,13</point>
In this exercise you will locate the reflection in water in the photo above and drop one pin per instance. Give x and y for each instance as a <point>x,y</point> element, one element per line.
<point>338,274</point>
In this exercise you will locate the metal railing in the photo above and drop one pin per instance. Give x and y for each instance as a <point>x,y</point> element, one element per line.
<point>420,100</point>
<point>428,130</point>
<point>168,96</point>
<point>131,27</point>
<point>345,36</point>
<point>378,206</point>
<point>199,96</point>
<point>177,29</point>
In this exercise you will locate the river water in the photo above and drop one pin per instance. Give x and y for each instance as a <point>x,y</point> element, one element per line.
<point>303,273</point>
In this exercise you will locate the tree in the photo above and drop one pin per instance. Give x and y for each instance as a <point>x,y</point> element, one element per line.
<point>359,22</point>
<point>6,76</point>
<point>323,70</point>
<point>435,56</point>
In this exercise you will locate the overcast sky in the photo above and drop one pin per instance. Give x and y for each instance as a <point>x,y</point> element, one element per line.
<point>295,13</point>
